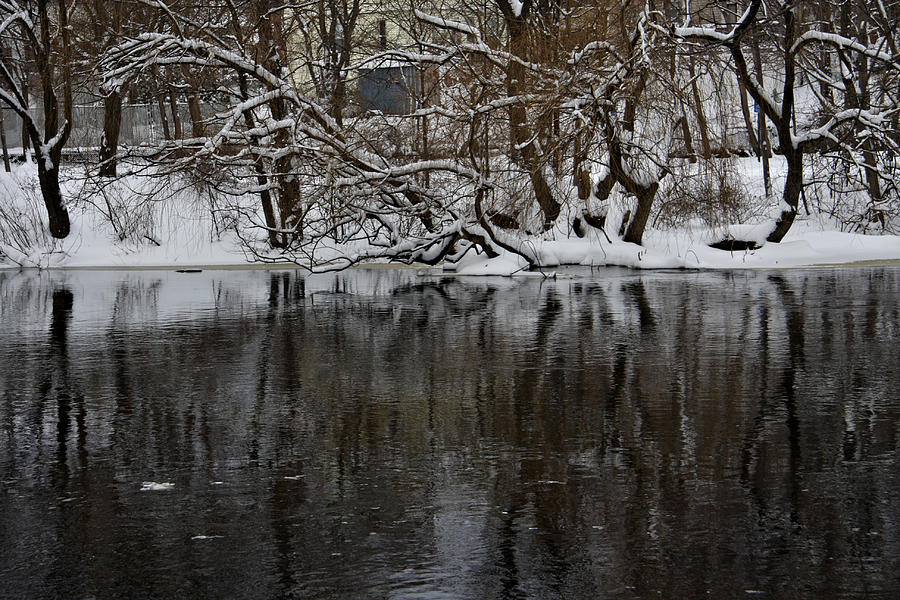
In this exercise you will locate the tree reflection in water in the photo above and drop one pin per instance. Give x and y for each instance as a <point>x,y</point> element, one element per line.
<point>377,433</point>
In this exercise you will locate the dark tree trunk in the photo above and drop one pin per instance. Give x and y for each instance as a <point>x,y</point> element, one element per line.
<point>193,102</point>
<point>748,120</point>
<point>288,197</point>
<point>873,180</point>
<point>698,110</point>
<point>686,135</point>
<point>522,136</point>
<point>48,158</point>
<point>197,128</point>
<point>167,134</point>
<point>26,141</point>
<point>176,120</point>
<point>112,124</point>
<point>764,148</point>
<point>262,180</point>
<point>3,142</point>
<point>645,197</point>
<point>793,187</point>
<point>161,104</point>
<point>57,214</point>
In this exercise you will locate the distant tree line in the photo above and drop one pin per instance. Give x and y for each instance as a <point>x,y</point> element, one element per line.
<point>521,117</point>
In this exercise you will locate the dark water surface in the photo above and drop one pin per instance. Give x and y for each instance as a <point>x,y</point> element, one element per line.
<point>379,434</point>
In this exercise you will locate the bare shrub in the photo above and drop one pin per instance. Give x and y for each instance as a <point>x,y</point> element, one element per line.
<point>23,229</point>
<point>140,207</point>
<point>709,191</point>
<point>839,190</point>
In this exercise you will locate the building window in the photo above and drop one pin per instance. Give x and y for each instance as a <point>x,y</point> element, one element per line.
<point>390,89</point>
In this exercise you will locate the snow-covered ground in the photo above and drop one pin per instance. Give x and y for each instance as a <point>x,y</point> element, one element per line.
<point>183,233</point>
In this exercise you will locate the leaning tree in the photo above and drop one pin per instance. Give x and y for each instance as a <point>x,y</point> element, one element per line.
<point>847,65</point>
<point>38,34</point>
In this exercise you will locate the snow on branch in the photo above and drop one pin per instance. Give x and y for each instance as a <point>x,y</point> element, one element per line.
<point>14,102</point>
<point>447,24</point>
<point>712,34</point>
<point>869,119</point>
<point>844,43</point>
<point>14,16</point>
<point>705,33</point>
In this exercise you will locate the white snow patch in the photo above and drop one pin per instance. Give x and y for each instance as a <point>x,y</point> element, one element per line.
<point>478,264</point>
<point>152,486</point>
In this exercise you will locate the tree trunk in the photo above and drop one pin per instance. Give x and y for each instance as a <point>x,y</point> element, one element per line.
<point>57,214</point>
<point>25,141</point>
<point>873,180</point>
<point>193,102</point>
<point>793,187</point>
<point>176,120</point>
<point>645,197</point>
<point>167,134</point>
<point>197,128</point>
<point>109,143</point>
<point>686,135</point>
<point>48,158</point>
<point>3,142</point>
<point>161,105</point>
<point>764,148</point>
<point>698,110</point>
<point>748,120</point>
<point>522,136</point>
<point>262,180</point>
<point>288,198</point>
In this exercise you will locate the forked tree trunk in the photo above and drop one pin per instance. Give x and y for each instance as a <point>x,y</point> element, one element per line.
<point>48,158</point>
<point>262,180</point>
<point>522,136</point>
<point>288,196</point>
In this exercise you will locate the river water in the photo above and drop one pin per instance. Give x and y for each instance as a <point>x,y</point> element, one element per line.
<point>392,434</point>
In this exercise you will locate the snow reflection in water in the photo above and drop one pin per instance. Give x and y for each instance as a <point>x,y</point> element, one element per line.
<point>382,434</point>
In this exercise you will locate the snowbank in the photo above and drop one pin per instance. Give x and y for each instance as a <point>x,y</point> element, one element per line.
<point>182,232</point>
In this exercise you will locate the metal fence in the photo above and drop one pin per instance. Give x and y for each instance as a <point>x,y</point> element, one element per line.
<point>141,125</point>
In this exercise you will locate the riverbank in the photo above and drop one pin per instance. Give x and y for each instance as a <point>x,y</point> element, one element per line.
<point>803,248</point>
<point>131,226</point>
